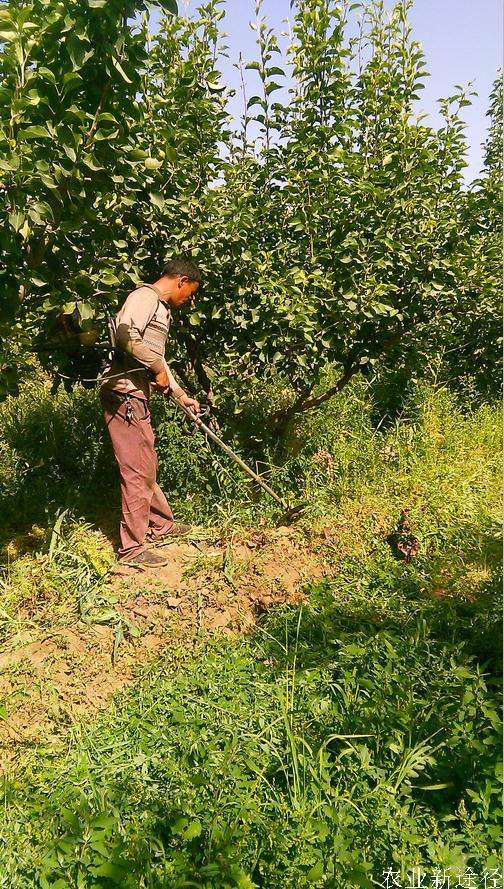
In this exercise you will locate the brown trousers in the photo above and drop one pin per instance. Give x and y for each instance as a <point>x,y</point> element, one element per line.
<point>144,506</point>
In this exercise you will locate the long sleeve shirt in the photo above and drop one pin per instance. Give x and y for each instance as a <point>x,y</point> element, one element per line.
<point>142,327</point>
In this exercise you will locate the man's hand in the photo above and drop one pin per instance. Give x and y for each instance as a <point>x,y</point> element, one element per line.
<point>191,403</point>
<point>161,382</point>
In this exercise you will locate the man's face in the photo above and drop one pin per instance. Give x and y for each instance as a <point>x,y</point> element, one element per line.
<point>184,291</point>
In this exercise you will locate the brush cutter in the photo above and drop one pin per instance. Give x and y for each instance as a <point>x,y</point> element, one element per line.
<point>291,513</point>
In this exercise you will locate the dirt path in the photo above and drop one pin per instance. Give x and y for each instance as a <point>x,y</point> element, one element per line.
<point>48,680</point>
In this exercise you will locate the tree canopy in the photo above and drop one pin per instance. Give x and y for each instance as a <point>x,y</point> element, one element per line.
<point>341,236</point>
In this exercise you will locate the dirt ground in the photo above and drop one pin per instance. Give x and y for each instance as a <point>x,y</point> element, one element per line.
<point>49,680</point>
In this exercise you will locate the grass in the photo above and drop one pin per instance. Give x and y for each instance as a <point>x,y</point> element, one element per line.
<point>332,745</point>
<point>352,734</point>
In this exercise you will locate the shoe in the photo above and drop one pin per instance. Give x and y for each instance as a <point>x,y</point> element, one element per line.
<point>146,559</point>
<point>179,530</point>
<point>176,530</point>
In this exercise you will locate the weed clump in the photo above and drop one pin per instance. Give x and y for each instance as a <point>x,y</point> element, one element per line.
<point>55,580</point>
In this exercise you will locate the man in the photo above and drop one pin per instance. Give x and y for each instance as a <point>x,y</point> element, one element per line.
<point>142,327</point>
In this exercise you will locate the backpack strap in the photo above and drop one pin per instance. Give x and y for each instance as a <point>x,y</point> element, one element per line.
<point>158,294</point>
<point>111,321</point>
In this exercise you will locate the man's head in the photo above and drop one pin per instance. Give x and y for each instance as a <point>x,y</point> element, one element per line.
<point>179,281</point>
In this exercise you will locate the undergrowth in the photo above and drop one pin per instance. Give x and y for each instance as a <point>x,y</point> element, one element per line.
<point>55,455</point>
<point>352,735</point>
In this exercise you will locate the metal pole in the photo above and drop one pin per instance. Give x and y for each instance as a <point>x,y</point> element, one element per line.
<point>227,450</point>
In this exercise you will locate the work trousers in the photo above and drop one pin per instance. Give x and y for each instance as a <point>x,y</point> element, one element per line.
<point>144,506</point>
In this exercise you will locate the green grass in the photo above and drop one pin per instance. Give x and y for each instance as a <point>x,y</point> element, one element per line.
<point>59,583</point>
<point>357,732</point>
<point>352,734</point>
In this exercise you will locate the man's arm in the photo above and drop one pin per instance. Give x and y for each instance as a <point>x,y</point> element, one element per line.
<point>134,317</point>
<point>177,391</point>
<point>175,387</point>
<point>137,312</point>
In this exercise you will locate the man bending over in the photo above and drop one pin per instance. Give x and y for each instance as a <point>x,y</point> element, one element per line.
<point>138,368</point>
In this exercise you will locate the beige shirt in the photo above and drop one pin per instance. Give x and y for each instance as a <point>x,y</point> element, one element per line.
<point>142,327</point>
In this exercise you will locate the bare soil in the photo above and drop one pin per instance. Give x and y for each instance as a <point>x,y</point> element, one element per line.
<point>49,680</point>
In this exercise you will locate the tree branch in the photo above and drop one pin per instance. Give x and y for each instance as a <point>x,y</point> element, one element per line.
<point>334,390</point>
<point>282,418</point>
<point>89,135</point>
<point>197,365</point>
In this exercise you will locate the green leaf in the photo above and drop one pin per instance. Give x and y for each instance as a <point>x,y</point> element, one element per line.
<point>108,277</point>
<point>272,87</point>
<point>25,230</point>
<point>109,870</point>
<point>33,133</point>
<point>168,6</point>
<point>16,220</point>
<point>194,830</point>
<point>152,164</point>
<point>357,877</point>
<point>102,135</point>
<point>137,154</point>
<point>255,100</point>
<point>91,163</point>
<point>70,81</point>
<point>216,87</point>
<point>76,49</point>
<point>12,164</point>
<point>40,211</point>
<point>47,74</point>
<point>117,65</point>
<point>104,617</point>
<point>157,199</point>
<point>70,152</point>
<point>86,312</point>
<point>316,873</point>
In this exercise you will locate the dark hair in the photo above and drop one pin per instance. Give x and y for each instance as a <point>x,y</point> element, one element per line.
<point>184,267</point>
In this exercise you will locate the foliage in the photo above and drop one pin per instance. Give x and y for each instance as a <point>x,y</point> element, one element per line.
<point>474,342</point>
<point>330,239</point>
<point>355,732</point>
<point>344,228</point>
<point>55,454</point>
<point>62,580</point>
<point>84,178</point>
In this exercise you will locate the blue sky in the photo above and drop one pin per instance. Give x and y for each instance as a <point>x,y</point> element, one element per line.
<point>462,41</point>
